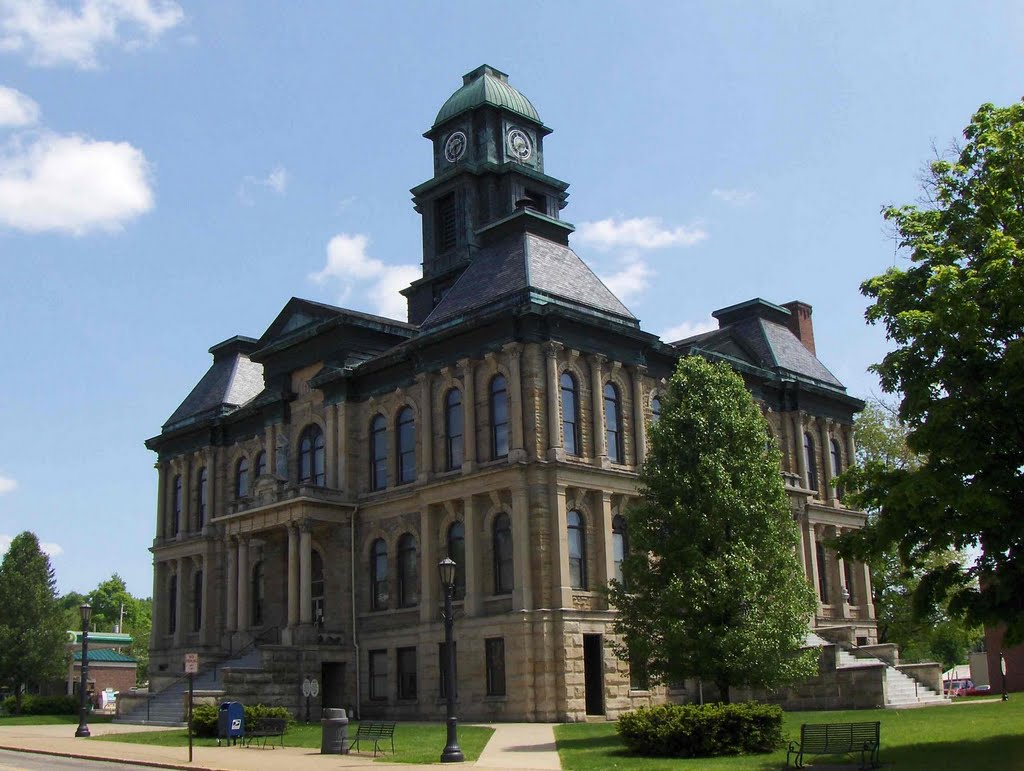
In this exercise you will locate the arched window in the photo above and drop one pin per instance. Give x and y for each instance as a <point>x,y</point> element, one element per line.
<point>848,574</point>
<point>257,593</point>
<point>176,506</point>
<point>379,575</point>
<point>613,424</point>
<point>570,414</point>
<point>502,547</point>
<point>261,463</point>
<point>197,601</point>
<point>499,417</point>
<point>620,544</point>
<point>453,428</point>
<point>457,553</point>
<point>655,409</point>
<point>172,604</point>
<point>201,499</point>
<point>316,587</point>
<point>837,465</point>
<point>812,467</point>
<point>378,453</point>
<point>406,436</point>
<point>819,553</point>
<point>242,478</point>
<point>408,572</point>
<point>577,551</point>
<point>311,456</point>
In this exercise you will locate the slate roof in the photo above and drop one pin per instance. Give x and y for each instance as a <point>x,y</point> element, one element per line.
<point>526,267</point>
<point>230,382</point>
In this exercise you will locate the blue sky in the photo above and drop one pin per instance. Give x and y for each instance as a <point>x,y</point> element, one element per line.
<point>171,174</point>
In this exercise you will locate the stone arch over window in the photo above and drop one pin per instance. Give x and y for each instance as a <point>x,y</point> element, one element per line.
<point>499,416</point>
<point>620,544</point>
<point>569,398</point>
<point>258,593</point>
<point>576,534</point>
<point>197,600</point>
<point>379,594</point>
<point>312,463</point>
<point>613,427</point>
<point>408,572</point>
<point>378,452</point>
<point>405,445</point>
<point>242,477</point>
<point>317,587</point>
<point>455,548</point>
<point>454,427</point>
<point>202,497</point>
<point>501,548</point>
<point>810,458</point>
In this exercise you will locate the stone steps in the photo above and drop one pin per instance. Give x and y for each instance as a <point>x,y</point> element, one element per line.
<point>900,690</point>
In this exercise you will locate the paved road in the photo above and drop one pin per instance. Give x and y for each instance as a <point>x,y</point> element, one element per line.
<point>28,761</point>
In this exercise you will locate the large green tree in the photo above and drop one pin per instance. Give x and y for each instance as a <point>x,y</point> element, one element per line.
<point>32,633</point>
<point>712,587</point>
<point>955,317</point>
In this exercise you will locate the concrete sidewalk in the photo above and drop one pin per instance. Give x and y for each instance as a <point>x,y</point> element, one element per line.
<point>513,746</point>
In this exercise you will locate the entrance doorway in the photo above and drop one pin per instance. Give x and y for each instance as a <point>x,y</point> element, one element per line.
<point>332,685</point>
<point>593,673</point>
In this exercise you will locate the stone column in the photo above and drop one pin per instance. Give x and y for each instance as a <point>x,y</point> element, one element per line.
<point>204,621</point>
<point>801,456</point>
<point>842,602</point>
<point>342,461</point>
<point>231,585</point>
<point>603,523</point>
<point>428,567</point>
<point>639,423</point>
<point>517,450</point>
<point>561,596</point>
<point>331,446</point>
<point>213,489</point>
<point>554,423</point>
<point>597,408</point>
<point>867,600</point>
<point>306,572</point>
<point>244,580</point>
<point>475,538</point>
<point>293,575</point>
<point>522,592</point>
<point>185,521</point>
<point>426,431</point>
<point>157,613</point>
<point>161,503</point>
<point>468,414</point>
<point>826,455</point>
<point>812,559</point>
<point>179,606</point>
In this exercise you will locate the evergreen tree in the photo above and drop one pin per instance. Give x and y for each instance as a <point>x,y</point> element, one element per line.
<point>32,633</point>
<point>712,586</point>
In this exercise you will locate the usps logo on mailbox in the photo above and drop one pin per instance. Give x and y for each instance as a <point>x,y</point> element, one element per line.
<point>236,724</point>
<point>191,663</point>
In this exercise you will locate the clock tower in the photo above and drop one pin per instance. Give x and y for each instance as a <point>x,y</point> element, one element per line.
<point>488,148</point>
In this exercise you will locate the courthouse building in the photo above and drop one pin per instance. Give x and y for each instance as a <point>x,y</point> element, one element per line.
<point>314,477</point>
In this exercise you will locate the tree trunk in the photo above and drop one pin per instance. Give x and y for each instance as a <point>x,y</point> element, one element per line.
<point>723,691</point>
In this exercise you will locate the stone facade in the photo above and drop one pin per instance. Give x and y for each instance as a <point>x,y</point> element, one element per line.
<point>311,482</point>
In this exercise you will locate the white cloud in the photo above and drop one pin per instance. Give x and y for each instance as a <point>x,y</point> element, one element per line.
<point>51,35</point>
<point>7,484</point>
<point>71,184</point>
<point>733,196</point>
<point>631,281</point>
<point>276,181</point>
<point>688,329</point>
<point>638,233</point>
<point>350,265</point>
<point>49,549</point>
<point>16,109</point>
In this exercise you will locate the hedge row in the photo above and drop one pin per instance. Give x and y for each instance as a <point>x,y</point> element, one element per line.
<point>43,705</point>
<point>204,717</point>
<point>694,731</point>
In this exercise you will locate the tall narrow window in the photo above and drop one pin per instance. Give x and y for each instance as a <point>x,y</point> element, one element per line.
<point>837,465</point>
<point>406,673</point>
<point>851,596</point>
<point>494,650</point>
<point>570,414</point>
<point>408,572</point>
<point>378,453</point>
<point>261,464</point>
<point>457,553</point>
<point>445,213</point>
<point>442,668</point>
<point>819,553</point>
<point>613,424</point>
<point>258,596</point>
<point>406,436</point>
<point>639,679</point>
<point>620,544</point>
<point>201,499</point>
<point>197,601</point>
<point>655,409</point>
<point>577,550</point>
<point>810,459</point>
<point>311,456</point>
<point>172,604</point>
<point>453,428</point>
<point>378,675</point>
<point>242,478</point>
<point>502,540</point>
<point>316,587</point>
<point>499,417</point>
<point>379,575</point>
<point>176,506</point>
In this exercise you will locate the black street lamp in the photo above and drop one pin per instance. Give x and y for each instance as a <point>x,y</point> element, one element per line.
<point>83,704</point>
<point>452,752</point>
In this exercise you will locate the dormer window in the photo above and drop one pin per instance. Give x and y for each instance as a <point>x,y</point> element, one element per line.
<point>445,220</point>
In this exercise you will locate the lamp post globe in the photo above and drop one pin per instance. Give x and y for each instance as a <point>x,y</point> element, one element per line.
<point>83,703</point>
<point>452,753</point>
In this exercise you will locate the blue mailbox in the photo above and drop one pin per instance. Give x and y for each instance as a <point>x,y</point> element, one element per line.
<point>231,722</point>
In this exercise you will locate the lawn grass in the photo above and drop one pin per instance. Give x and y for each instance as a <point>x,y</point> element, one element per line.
<point>13,720</point>
<point>980,736</point>
<point>414,742</point>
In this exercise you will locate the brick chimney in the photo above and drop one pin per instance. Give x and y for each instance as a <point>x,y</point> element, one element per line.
<point>800,323</point>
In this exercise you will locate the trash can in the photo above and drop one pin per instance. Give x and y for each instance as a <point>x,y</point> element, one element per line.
<point>230,722</point>
<point>334,739</point>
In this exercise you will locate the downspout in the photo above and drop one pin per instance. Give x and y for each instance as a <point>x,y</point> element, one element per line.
<point>355,634</point>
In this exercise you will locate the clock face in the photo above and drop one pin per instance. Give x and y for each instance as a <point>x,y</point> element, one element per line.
<point>455,147</point>
<point>519,144</point>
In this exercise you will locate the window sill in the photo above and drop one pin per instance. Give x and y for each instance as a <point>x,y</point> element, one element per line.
<point>497,698</point>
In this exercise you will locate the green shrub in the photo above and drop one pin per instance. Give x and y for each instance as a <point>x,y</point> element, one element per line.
<point>205,717</point>
<point>693,731</point>
<point>43,705</point>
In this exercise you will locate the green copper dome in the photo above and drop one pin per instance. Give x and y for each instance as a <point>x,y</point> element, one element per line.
<point>486,85</point>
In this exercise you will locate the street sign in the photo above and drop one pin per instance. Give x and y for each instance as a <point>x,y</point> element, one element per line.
<point>191,663</point>
<point>314,688</point>
<point>307,688</point>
